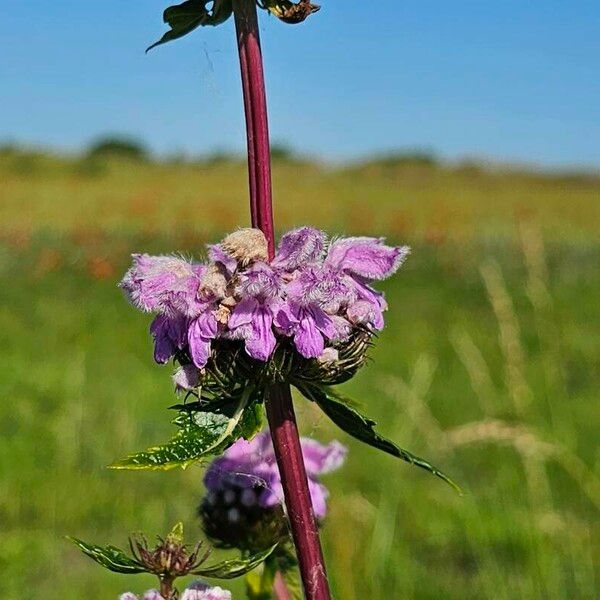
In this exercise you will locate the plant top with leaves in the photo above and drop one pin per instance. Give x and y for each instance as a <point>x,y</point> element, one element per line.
<point>185,17</point>
<point>239,323</point>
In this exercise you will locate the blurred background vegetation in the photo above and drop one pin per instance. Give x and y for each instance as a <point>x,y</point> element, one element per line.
<point>489,366</point>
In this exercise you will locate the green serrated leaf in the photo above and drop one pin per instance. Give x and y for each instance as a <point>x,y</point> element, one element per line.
<point>230,569</point>
<point>110,557</point>
<point>200,434</point>
<point>184,18</point>
<point>362,428</point>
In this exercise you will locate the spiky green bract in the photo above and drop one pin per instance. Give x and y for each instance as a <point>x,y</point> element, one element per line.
<point>171,557</point>
<point>348,418</point>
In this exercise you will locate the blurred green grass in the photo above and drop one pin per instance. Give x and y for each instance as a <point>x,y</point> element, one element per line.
<point>489,366</point>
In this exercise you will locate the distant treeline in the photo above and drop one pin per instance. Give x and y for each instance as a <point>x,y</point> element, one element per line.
<point>94,160</point>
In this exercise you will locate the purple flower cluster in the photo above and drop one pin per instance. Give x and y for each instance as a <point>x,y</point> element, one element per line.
<point>314,291</point>
<point>196,591</point>
<point>247,473</point>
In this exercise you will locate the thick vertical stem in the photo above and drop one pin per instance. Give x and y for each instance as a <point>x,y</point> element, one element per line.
<point>280,409</point>
<point>284,431</point>
<point>257,128</point>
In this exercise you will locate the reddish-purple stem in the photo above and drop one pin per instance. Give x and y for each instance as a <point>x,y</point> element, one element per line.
<point>279,405</point>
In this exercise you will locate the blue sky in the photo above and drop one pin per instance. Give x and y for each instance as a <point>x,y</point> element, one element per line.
<point>511,80</point>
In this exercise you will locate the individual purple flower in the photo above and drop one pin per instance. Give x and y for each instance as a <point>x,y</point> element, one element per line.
<point>128,596</point>
<point>366,257</point>
<point>170,335</point>
<point>252,465</point>
<point>362,260</point>
<point>252,319</point>
<point>313,297</point>
<point>299,248</point>
<point>202,591</point>
<point>199,335</point>
<point>165,284</point>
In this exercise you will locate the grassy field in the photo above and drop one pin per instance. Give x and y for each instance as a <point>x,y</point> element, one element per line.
<point>489,366</point>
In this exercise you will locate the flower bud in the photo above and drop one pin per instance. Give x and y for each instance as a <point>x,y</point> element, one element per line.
<point>233,518</point>
<point>246,245</point>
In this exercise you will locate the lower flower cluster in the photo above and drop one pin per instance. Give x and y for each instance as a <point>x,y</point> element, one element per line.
<point>243,506</point>
<point>315,293</point>
<point>196,591</point>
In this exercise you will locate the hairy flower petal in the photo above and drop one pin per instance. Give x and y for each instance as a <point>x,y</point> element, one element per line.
<point>262,342</point>
<point>366,257</point>
<point>242,313</point>
<point>199,343</point>
<point>169,335</point>
<point>218,255</point>
<point>308,339</point>
<point>299,248</point>
<point>163,284</point>
<point>260,282</point>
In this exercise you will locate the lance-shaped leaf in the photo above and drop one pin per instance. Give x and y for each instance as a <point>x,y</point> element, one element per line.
<point>236,567</point>
<point>110,557</point>
<point>362,428</point>
<point>184,18</point>
<point>200,434</point>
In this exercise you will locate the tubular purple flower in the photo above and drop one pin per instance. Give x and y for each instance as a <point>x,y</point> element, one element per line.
<point>128,596</point>
<point>169,336</point>
<point>323,287</point>
<point>377,306</point>
<point>200,333</point>
<point>164,284</point>
<point>299,248</point>
<point>314,296</point>
<point>252,319</point>
<point>252,465</point>
<point>363,259</point>
<point>366,257</point>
